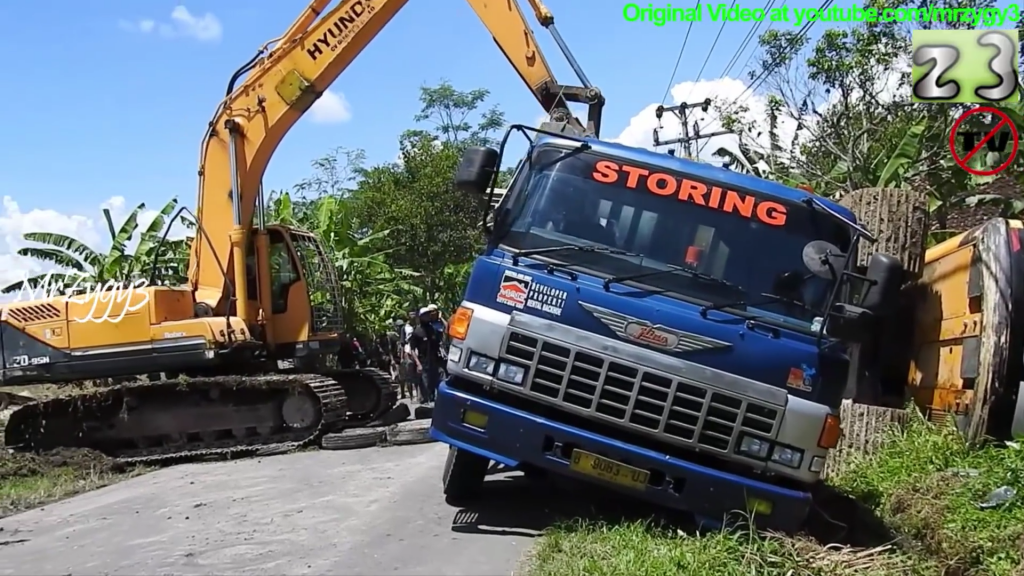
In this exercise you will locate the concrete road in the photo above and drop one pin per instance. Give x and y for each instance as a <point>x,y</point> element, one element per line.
<point>374,511</point>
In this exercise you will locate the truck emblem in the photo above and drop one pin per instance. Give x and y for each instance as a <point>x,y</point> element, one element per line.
<point>647,334</point>
<point>652,335</point>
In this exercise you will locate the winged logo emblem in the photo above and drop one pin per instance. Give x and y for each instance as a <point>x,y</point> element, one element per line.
<point>652,335</point>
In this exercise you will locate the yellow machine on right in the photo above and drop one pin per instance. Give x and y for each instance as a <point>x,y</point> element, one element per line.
<point>956,345</point>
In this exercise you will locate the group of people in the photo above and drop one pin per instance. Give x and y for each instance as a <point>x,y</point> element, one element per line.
<point>420,353</point>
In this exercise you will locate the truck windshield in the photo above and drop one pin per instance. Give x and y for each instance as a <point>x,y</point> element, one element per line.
<point>749,240</point>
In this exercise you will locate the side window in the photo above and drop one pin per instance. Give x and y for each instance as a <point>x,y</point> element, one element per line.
<point>283,273</point>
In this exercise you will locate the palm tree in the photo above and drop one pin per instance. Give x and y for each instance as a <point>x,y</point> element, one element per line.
<point>79,263</point>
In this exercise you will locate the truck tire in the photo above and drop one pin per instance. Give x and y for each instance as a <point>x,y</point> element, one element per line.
<point>423,413</point>
<point>353,438</point>
<point>400,413</point>
<point>464,474</point>
<point>406,433</point>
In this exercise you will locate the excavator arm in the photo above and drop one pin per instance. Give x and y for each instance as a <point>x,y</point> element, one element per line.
<point>283,82</point>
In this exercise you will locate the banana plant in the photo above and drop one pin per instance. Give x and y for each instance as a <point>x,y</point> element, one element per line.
<point>74,261</point>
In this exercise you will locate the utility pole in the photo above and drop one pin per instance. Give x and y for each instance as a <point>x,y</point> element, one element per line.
<point>682,113</point>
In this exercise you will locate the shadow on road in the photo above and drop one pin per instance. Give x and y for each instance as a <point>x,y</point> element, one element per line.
<point>513,505</point>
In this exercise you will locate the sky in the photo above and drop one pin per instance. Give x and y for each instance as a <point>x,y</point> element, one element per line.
<point>107,105</point>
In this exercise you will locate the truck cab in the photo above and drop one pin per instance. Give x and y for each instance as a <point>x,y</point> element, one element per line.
<point>658,325</point>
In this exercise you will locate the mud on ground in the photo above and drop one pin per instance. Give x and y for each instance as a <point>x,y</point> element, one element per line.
<point>32,480</point>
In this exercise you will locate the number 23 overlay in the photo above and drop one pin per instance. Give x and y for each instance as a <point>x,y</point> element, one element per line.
<point>967,66</point>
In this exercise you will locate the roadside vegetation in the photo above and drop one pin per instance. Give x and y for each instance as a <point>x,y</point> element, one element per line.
<point>31,480</point>
<point>929,488</point>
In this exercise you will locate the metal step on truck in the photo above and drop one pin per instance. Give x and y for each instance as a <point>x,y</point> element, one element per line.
<point>667,328</point>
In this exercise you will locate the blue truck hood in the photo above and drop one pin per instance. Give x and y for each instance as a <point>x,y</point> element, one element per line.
<point>769,354</point>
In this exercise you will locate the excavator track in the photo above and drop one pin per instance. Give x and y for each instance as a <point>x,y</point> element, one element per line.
<point>150,422</point>
<point>369,393</point>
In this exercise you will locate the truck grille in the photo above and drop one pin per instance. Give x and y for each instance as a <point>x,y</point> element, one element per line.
<point>683,411</point>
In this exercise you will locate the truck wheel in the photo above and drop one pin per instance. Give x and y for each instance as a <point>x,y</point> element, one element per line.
<point>464,473</point>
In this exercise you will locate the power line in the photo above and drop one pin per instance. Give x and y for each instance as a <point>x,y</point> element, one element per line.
<point>679,58</point>
<point>710,52</point>
<point>763,76</point>
<point>746,40</point>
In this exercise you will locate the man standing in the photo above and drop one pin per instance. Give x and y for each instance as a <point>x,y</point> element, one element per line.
<point>426,344</point>
<point>411,376</point>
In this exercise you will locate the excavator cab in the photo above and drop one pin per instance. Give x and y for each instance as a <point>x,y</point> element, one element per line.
<point>305,295</point>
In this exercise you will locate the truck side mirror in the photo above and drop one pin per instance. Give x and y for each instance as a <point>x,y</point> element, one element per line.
<point>884,281</point>
<point>850,323</point>
<point>476,169</point>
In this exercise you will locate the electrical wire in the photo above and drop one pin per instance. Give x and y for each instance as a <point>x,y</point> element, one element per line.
<point>763,76</point>
<point>679,58</point>
<point>708,57</point>
<point>746,41</point>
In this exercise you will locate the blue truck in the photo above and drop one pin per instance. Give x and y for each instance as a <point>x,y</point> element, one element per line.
<point>667,328</point>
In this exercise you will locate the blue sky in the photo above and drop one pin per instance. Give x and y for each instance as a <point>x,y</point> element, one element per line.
<point>98,108</point>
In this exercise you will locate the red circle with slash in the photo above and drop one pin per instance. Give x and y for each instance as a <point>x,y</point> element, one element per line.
<point>1004,120</point>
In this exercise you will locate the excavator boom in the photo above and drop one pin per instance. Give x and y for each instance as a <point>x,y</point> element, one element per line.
<point>283,83</point>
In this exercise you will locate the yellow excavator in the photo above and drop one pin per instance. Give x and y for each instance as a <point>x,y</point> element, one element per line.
<point>249,351</point>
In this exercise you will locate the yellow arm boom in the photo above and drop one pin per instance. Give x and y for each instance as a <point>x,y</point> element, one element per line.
<point>285,82</point>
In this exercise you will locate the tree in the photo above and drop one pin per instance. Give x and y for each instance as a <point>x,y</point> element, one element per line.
<point>435,226</point>
<point>848,97</point>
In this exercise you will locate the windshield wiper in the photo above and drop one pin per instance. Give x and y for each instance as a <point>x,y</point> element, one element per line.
<point>765,299</point>
<point>671,269</point>
<point>577,247</point>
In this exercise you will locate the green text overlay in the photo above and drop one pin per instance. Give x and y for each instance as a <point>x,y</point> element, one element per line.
<point>662,15</point>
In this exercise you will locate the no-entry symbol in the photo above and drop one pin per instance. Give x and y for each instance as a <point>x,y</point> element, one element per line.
<point>965,144</point>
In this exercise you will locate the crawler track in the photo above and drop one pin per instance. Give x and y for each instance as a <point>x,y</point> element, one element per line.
<point>175,419</point>
<point>369,393</point>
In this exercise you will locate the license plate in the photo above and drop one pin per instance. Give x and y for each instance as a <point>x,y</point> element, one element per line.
<point>608,470</point>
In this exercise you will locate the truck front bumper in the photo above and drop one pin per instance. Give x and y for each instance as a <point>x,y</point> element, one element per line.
<point>513,437</point>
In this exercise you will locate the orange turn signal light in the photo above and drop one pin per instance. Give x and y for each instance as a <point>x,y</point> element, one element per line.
<point>458,324</point>
<point>831,431</point>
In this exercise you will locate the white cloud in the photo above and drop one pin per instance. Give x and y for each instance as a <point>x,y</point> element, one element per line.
<point>182,24</point>
<point>331,108</point>
<point>91,229</point>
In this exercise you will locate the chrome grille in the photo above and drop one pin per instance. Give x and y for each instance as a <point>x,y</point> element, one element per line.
<point>628,394</point>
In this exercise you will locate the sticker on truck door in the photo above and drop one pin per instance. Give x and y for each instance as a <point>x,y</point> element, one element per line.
<point>514,289</point>
<point>546,299</point>
<point>801,378</point>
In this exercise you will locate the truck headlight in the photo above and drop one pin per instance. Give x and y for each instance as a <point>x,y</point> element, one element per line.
<point>791,457</point>
<point>754,447</point>
<point>512,373</point>
<point>482,364</point>
<point>455,354</point>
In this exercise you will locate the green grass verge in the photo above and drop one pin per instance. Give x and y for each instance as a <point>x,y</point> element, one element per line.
<point>29,481</point>
<point>923,482</point>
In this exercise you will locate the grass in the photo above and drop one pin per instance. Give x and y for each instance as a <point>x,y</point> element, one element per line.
<point>28,481</point>
<point>923,482</point>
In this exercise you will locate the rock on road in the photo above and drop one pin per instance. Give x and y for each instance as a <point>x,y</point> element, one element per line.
<point>373,511</point>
